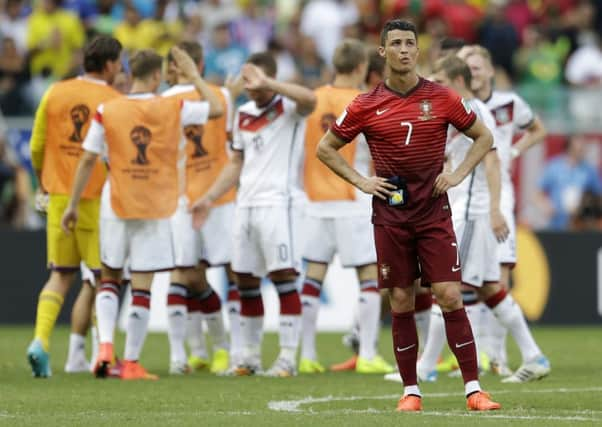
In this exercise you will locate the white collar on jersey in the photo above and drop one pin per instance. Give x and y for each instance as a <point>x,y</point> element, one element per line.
<point>92,79</point>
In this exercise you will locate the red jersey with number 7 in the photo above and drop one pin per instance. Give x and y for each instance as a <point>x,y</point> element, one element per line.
<point>407,134</point>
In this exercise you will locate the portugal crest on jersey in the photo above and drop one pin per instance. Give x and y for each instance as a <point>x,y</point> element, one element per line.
<point>426,108</point>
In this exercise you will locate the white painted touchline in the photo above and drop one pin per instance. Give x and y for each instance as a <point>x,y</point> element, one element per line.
<point>293,405</point>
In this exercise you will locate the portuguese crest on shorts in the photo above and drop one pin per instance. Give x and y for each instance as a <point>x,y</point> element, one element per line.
<point>385,270</point>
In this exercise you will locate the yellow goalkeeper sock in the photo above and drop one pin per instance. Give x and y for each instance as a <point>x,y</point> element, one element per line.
<point>49,307</point>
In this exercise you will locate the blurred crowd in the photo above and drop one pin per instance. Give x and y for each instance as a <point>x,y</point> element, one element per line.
<point>539,47</point>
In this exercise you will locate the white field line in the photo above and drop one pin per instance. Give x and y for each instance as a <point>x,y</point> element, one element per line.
<point>295,405</point>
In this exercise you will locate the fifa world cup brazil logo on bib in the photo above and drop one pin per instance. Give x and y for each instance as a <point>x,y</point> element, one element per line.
<point>327,120</point>
<point>141,137</point>
<point>79,117</point>
<point>194,134</point>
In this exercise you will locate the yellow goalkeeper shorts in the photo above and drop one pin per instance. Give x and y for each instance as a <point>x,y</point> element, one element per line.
<point>65,251</point>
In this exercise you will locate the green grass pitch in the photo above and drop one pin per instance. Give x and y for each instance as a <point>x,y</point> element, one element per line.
<point>570,396</point>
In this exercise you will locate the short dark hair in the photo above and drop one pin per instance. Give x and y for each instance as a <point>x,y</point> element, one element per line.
<point>454,67</point>
<point>100,50</point>
<point>348,55</point>
<point>265,61</point>
<point>376,64</point>
<point>193,49</point>
<point>397,24</point>
<point>144,63</point>
<point>449,43</point>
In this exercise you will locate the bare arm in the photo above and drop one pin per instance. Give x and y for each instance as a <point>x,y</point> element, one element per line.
<point>216,108</point>
<point>255,79</point>
<point>494,183</point>
<point>328,153</point>
<point>227,179</point>
<point>483,140</point>
<point>532,136</point>
<point>188,70</point>
<point>305,98</point>
<point>82,175</point>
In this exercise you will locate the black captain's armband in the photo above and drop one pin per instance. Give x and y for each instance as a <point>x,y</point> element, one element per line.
<point>399,196</point>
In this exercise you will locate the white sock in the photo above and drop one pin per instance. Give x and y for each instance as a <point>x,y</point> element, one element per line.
<point>492,331</point>
<point>216,329</point>
<point>233,307</point>
<point>107,306</point>
<point>309,320</point>
<point>369,315</point>
<point>289,329</point>
<point>471,387</point>
<point>500,343</point>
<point>473,312</point>
<point>77,347</point>
<point>252,333</point>
<point>195,335</point>
<point>412,389</point>
<point>177,315</point>
<point>137,325</point>
<point>511,316</point>
<point>423,320</point>
<point>94,339</point>
<point>434,343</point>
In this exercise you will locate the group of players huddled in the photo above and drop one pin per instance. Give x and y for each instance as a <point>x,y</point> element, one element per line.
<point>182,181</point>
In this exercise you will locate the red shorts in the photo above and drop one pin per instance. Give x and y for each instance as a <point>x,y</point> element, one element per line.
<point>428,251</point>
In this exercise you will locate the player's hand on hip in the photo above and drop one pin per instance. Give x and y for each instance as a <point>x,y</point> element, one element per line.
<point>254,78</point>
<point>444,182</point>
<point>69,220</point>
<point>376,186</point>
<point>200,212</point>
<point>499,226</point>
<point>184,63</point>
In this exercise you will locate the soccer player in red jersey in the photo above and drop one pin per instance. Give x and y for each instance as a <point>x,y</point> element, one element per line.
<point>405,121</point>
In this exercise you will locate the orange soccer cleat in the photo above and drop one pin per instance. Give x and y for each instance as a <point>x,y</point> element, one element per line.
<point>409,403</point>
<point>481,401</point>
<point>347,365</point>
<point>135,371</point>
<point>104,360</point>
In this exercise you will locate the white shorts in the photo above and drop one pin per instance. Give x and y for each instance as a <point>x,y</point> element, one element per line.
<point>147,244</point>
<point>87,274</point>
<point>351,237</point>
<point>213,243</point>
<point>478,251</point>
<point>216,235</point>
<point>507,249</point>
<point>266,239</point>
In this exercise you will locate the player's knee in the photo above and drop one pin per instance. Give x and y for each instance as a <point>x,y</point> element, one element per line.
<point>402,300</point>
<point>288,275</point>
<point>111,274</point>
<point>367,272</point>
<point>449,298</point>
<point>247,281</point>
<point>60,281</point>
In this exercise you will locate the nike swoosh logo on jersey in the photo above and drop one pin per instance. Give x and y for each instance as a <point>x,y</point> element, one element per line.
<point>405,348</point>
<point>379,112</point>
<point>463,344</point>
<point>454,269</point>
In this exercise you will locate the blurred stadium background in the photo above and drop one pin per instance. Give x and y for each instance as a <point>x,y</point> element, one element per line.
<point>550,51</point>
